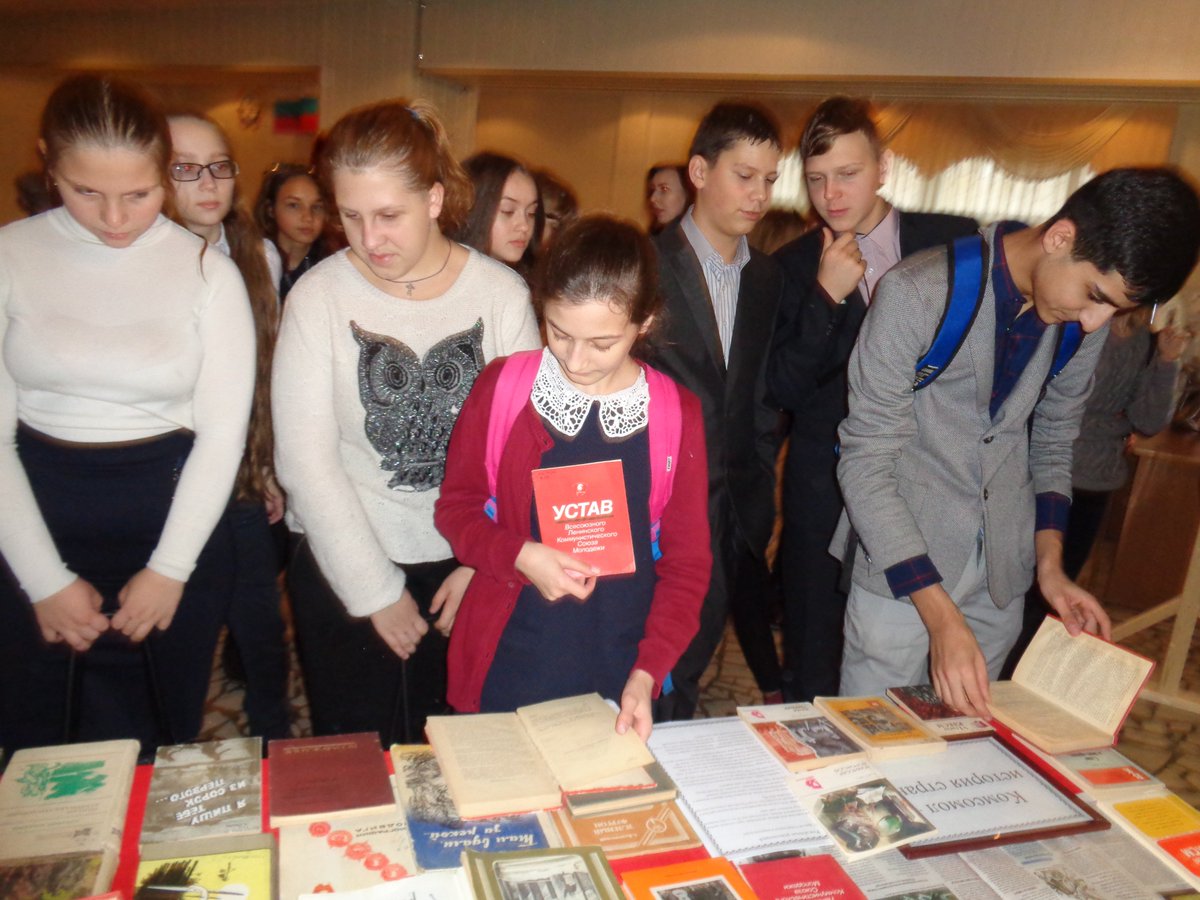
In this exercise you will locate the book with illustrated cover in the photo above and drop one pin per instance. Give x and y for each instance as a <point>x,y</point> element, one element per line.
<point>819,877</point>
<point>63,877</point>
<point>319,777</point>
<point>437,833</point>
<point>1166,825</point>
<point>922,702</point>
<point>593,803</point>
<point>1104,774</point>
<point>67,802</point>
<point>1069,692</point>
<point>236,865</point>
<point>583,511</point>
<point>880,727</point>
<point>203,790</point>
<point>579,872</point>
<point>344,854</point>
<point>654,829</point>
<point>703,879</point>
<point>499,764</point>
<point>799,735</point>
<point>861,810</point>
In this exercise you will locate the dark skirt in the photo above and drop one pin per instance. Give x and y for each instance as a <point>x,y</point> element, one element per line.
<point>105,508</point>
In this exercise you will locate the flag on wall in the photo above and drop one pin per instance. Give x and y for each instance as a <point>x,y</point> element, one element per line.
<point>297,116</point>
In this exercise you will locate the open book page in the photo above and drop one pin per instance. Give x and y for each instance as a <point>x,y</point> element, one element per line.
<point>1093,679</point>
<point>577,737</point>
<point>1043,721</point>
<point>490,765</point>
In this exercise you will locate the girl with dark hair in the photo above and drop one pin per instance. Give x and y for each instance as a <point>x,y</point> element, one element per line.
<point>380,344</point>
<point>128,369</point>
<point>669,192</point>
<point>506,218</point>
<point>203,174</point>
<point>291,210</point>
<point>537,623</point>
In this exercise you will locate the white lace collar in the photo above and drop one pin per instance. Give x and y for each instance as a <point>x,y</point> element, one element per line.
<point>564,406</point>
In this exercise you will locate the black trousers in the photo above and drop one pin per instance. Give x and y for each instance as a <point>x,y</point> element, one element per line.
<point>814,608</point>
<point>105,509</point>
<point>353,679</point>
<point>255,623</point>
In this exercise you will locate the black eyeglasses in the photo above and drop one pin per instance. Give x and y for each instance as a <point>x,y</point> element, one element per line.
<point>222,168</point>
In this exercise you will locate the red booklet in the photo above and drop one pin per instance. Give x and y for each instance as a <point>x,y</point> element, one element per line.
<point>801,878</point>
<point>582,510</point>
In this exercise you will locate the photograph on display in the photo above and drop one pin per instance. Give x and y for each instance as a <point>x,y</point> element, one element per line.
<point>870,817</point>
<point>701,889</point>
<point>553,877</point>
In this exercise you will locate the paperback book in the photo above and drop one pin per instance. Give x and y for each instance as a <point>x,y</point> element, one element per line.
<point>922,702</point>
<point>1103,774</point>
<point>703,879</point>
<point>506,763</point>
<point>62,811</point>
<point>319,777</point>
<point>581,872</point>
<point>344,854</point>
<point>1069,693</point>
<point>799,735</point>
<point>880,727</point>
<point>437,833</point>
<point>819,877</point>
<point>583,511</point>
<point>653,829</point>
<point>861,810</point>
<point>205,790</point>
<point>240,865</point>
<point>593,803</point>
<point>62,877</point>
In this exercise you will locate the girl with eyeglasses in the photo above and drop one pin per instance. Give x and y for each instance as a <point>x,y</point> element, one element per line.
<point>379,346</point>
<point>125,388</point>
<point>291,210</point>
<point>203,175</point>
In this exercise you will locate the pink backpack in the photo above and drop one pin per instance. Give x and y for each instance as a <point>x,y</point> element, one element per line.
<point>666,425</point>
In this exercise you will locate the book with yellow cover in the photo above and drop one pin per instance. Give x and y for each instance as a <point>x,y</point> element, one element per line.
<point>1165,824</point>
<point>239,865</point>
<point>880,727</point>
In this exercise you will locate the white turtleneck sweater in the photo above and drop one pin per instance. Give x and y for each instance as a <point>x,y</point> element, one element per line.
<point>104,345</point>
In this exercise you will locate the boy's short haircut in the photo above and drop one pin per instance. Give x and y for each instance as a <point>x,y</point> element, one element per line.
<point>834,117</point>
<point>1142,223</point>
<point>727,123</point>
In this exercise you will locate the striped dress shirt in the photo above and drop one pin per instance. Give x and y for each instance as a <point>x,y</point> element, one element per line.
<point>724,279</point>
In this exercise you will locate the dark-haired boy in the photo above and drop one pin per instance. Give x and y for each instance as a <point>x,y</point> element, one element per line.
<point>959,491</point>
<point>720,303</point>
<point>831,273</point>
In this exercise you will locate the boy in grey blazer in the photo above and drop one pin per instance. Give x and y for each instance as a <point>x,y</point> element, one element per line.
<point>959,491</point>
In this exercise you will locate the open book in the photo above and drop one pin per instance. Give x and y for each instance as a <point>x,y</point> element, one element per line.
<point>499,764</point>
<point>1069,693</point>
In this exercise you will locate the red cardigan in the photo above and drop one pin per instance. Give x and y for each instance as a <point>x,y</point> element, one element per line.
<point>491,548</point>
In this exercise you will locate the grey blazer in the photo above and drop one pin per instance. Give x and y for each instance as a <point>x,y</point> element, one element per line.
<point>923,472</point>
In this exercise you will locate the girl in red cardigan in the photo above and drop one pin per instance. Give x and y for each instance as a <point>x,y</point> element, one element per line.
<point>536,623</point>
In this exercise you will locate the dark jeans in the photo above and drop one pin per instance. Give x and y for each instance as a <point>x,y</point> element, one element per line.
<point>255,624</point>
<point>353,679</point>
<point>105,509</point>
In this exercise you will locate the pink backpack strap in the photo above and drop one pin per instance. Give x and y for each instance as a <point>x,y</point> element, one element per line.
<point>665,437</point>
<point>513,386</point>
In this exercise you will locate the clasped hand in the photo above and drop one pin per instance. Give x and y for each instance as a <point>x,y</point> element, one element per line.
<point>148,601</point>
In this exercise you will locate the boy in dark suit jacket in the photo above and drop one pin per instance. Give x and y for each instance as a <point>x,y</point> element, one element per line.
<point>830,273</point>
<point>721,299</point>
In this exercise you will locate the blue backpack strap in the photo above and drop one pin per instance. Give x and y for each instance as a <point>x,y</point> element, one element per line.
<point>1070,336</point>
<point>665,436</point>
<point>966,267</point>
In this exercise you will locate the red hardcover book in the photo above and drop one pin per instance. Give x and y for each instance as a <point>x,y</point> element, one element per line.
<point>801,878</point>
<point>582,510</point>
<point>316,777</point>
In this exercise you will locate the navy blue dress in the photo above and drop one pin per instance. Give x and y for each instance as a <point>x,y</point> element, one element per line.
<point>559,649</point>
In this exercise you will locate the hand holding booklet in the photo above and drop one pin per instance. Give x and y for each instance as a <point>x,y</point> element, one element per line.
<point>505,763</point>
